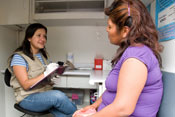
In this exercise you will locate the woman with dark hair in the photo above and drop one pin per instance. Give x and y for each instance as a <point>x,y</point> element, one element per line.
<point>134,85</point>
<point>27,66</point>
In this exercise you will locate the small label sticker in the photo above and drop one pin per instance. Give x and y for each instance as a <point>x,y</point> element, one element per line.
<point>98,66</point>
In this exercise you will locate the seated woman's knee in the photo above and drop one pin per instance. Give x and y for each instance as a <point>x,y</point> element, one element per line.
<point>58,95</point>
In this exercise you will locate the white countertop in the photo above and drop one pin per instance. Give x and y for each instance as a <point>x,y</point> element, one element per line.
<point>96,76</point>
<point>78,72</point>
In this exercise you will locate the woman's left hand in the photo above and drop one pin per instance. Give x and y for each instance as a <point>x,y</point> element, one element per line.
<point>81,116</point>
<point>85,113</point>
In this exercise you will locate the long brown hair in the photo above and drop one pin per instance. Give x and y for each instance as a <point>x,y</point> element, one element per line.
<point>134,14</point>
<point>26,47</point>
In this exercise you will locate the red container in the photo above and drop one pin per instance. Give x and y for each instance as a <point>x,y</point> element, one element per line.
<point>98,64</point>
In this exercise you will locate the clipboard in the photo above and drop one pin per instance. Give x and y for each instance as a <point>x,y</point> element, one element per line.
<point>60,70</point>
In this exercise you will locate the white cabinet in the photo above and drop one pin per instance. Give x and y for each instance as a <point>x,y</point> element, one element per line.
<point>68,83</point>
<point>60,82</point>
<point>79,82</point>
<point>86,80</point>
<point>68,9</point>
<point>14,12</point>
<point>75,81</point>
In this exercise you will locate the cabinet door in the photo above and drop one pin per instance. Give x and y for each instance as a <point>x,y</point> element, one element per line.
<point>60,82</point>
<point>79,82</point>
<point>68,9</point>
<point>14,12</point>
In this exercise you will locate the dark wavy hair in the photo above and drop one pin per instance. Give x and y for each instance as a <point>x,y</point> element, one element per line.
<point>26,47</point>
<point>134,14</point>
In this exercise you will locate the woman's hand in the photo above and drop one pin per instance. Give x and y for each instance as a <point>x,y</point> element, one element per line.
<point>50,68</point>
<point>83,110</point>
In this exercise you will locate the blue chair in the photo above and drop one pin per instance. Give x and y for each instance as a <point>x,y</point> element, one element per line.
<point>167,107</point>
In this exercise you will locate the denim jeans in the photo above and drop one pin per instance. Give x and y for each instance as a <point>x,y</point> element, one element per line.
<point>54,100</point>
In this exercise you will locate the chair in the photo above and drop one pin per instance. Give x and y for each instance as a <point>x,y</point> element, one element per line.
<point>167,107</point>
<point>7,77</point>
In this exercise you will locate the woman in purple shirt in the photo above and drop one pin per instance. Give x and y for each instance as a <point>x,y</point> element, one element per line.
<point>134,85</point>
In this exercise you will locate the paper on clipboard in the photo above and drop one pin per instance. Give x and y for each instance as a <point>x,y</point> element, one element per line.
<point>58,71</point>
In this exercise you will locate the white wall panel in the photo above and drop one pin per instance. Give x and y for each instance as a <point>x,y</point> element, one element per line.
<point>83,41</point>
<point>7,45</point>
<point>168,56</point>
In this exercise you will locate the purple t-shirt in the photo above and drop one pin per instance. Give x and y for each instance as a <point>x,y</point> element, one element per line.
<point>151,95</point>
